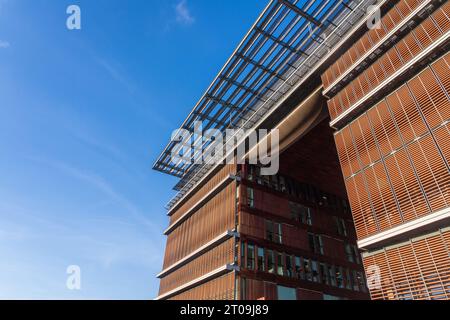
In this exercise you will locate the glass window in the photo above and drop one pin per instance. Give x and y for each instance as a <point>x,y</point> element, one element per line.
<point>243,289</point>
<point>280,264</point>
<point>340,226</point>
<point>270,261</point>
<point>269,230</point>
<point>355,281</point>
<point>289,271</point>
<point>278,233</point>
<point>315,243</point>
<point>348,279</point>
<point>345,206</point>
<point>349,252</point>
<point>257,172</point>
<point>290,187</point>
<point>357,254</point>
<point>250,198</point>
<point>282,184</point>
<point>339,277</point>
<point>295,189</point>
<point>352,253</point>
<point>242,254</point>
<point>300,213</point>
<point>332,274</point>
<point>320,243</point>
<point>361,281</point>
<point>311,242</point>
<point>299,269</point>
<point>285,293</point>
<point>303,191</point>
<point>330,297</point>
<point>250,257</point>
<point>315,271</point>
<point>307,268</point>
<point>266,181</point>
<point>273,231</point>
<point>308,219</point>
<point>274,181</point>
<point>323,199</point>
<point>324,273</point>
<point>250,173</point>
<point>261,260</point>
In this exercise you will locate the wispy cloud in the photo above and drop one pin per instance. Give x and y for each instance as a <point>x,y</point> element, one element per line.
<point>4,44</point>
<point>102,185</point>
<point>183,14</point>
<point>115,71</point>
<point>118,73</point>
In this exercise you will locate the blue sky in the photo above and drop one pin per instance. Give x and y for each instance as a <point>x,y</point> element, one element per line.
<point>83,116</point>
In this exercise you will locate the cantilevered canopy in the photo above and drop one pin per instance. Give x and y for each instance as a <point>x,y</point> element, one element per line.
<point>286,42</point>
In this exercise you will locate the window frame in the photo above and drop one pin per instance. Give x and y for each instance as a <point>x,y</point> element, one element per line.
<point>299,269</point>
<point>324,273</point>
<point>250,197</point>
<point>250,263</point>
<point>270,258</point>
<point>261,264</point>
<point>315,271</point>
<point>280,264</point>
<point>289,266</point>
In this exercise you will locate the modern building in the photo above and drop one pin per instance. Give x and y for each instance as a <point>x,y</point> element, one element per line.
<point>360,94</point>
<point>389,101</point>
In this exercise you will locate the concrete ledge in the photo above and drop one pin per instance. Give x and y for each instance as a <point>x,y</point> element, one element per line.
<point>205,278</point>
<point>372,50</point>
<point>335,123</point>
<point>205,248</point>
<point>201,202</point>
<point>369,242</point>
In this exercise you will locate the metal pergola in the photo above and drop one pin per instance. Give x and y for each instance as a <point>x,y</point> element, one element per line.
<point>286,42</point>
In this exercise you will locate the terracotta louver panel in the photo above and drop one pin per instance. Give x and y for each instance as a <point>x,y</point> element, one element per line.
<point>434,106</point>
<point>221,288</point>
<point>442,17</point>
<point>379,131</point>
<point>376,199</point>
<point>217,257</point>
<point>406,187</point>
<point>361,146</point>
<point>417,41</point>
<point>418,270</point>
<point>374,37</point>
<point>404,9</point>
<point>363,191</point>
<point>369,138</point>
<point>223,173</point>
<point>214,218</point>
<point>431,171</point>
<point>412,179</point>
<point>441,69</point>
<point>351,151</point>
<point>406,114</point>
<point>442,136</point>
<point>342,154</point>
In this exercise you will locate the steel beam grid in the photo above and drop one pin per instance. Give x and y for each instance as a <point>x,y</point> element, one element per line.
<point>263,70</point>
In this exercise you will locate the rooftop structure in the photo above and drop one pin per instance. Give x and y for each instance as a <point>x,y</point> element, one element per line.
<point>282,49</point>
